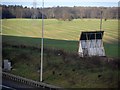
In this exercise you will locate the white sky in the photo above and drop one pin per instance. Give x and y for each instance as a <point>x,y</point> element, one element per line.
<point>51,3</point>
<point>60,0</point>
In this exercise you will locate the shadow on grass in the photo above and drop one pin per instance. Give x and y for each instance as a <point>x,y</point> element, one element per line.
<point>69,46</point>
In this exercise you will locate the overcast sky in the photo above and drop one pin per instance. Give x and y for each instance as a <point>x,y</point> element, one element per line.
<point>60,0</point>
<point>51,3</point>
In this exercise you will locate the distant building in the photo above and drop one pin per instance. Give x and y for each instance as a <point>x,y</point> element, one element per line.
<point>91,44</point>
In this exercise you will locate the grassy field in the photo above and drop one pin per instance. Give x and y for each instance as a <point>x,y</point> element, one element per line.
<point>68,46</point>
<point>69,71</point>
<point>60,34</point>
<point>62,30</point>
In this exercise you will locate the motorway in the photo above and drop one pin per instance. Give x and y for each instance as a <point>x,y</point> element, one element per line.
<point>11,85</point>
<point>13,82</point>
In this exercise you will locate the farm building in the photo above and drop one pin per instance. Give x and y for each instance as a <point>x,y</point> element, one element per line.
<point>91,44</point>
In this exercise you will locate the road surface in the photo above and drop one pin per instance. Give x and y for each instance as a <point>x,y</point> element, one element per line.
<point>11,85</point>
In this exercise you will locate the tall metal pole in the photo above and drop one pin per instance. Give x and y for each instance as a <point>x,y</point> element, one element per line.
<point>101,20</point>
<point>1,45</point>
<point>41,71</point>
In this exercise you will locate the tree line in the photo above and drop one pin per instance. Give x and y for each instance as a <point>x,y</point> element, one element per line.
<point>61,13</point>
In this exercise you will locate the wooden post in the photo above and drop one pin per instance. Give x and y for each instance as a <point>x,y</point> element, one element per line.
<point>101,21</point>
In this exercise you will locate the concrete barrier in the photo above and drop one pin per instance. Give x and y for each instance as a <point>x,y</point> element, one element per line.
<point>30,82</point>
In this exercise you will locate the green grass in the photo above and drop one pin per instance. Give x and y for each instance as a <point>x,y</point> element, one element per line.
<point>25,63</point>
<point>69,46</point>
<point>60,35</point>
<point>64,34</point>
<point>61,30</point>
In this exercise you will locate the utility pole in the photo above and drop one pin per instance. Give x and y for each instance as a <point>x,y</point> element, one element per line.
<point>101,20</point>
<point>41,70</point>
<point>0,23</point>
